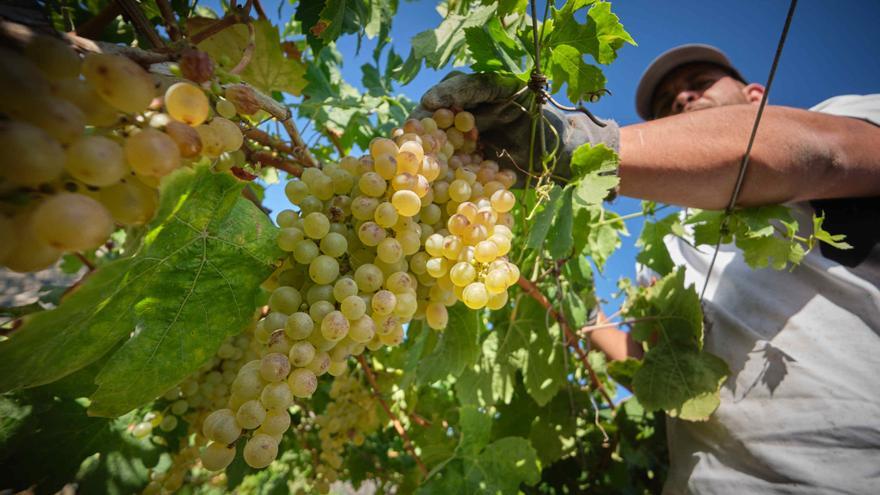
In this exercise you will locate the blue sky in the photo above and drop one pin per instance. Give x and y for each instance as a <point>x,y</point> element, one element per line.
<point>831,50</point>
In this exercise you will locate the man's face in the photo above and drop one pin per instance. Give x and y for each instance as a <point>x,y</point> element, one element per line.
<point>694,87</point>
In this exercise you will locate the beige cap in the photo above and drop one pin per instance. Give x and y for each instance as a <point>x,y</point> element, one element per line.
<point>668,61</point>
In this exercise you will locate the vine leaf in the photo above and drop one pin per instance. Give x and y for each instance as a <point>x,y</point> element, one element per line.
<point>544,218</point>
<point>191,285</point>
<point>680,379</point>
<point>457,348</point>
<point>437,46</point>
<point>568,66</point>
<point>670,309</point>
<point>491,380</point>
<point>544,365</point>
<point>654,254</point>
<point>493,49</point>
<point>269,69</point>
<point>560,239</point>
<point>601,36</point>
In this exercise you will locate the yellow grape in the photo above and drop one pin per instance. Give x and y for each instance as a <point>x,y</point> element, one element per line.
<point>212,142</point>
<point>129,202</point>
<point>217,456</point>
<point>79,92</point>
<point>372,184</point>
<point>407,203</point>
<point>30,156</point>
<point>225,109</point>
<point>72,222</point>
<point>187,138</point>
<point>485,251</point>
<point>462,274</point>
<point>436,315</point>
<point>96,161</point>
<point>475,295</point>
<point>464,121</point>
<point>444,118</point>
<point>497,301</point>
<point>229,133</point>
<point>60,118</point>
<point>54,57</point>
<point>260,451</point>
<point>503,200</point>
<point>152,153</point>
<point>382,146</point>
<point>122,83</point>
<point>187,103</point>
<point>26,251</point>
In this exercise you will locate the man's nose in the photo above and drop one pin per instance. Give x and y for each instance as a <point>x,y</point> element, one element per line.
<point>682,99</point>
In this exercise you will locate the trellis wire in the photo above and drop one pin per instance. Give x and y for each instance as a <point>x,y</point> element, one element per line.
<point>745,160</point>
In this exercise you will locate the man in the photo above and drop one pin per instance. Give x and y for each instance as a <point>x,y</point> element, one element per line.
<point>800,412</point>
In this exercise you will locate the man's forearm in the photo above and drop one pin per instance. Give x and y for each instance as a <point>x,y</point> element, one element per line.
<point>693,159</point>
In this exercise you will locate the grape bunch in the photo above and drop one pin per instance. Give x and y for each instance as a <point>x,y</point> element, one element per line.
<point>374,243</point>
<point>86,141</point>
<point>349,418</point>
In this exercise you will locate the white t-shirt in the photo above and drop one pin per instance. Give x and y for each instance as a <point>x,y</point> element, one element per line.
<point>800,412</point>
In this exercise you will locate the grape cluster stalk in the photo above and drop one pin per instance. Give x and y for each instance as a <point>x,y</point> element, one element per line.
<point>419,223</point>
<point>86,142</point>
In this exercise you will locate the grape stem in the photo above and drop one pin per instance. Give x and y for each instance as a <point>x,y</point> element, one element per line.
<point>85,261</point>
<point>571,339</point>
<point>407,443</point>
<point>248,53</point>
<point>334,136</point>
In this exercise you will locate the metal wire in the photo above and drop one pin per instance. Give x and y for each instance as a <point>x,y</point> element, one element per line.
<point>745,160</point>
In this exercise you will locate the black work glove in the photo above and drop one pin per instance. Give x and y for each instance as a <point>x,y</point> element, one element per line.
<point>505,129</point>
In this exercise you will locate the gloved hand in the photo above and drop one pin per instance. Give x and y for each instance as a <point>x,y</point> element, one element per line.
<point>505,127</point>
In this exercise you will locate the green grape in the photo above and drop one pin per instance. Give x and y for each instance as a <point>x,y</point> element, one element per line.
<point>122,83</point>
<point>230,134</point>
<point>334,326</point>
<point>353,307</point>
<point>320,309</point>
<point>274,320</point>
<point>129,202</point>
<point>316,225</point>
<point>276,396</point>
<point>410,241</point>
<point>303,382</point>
<point>320,363</point>
<point>274,367</point>
<point>180,406</point>
<point>324,269</point>
<point>301,354</point>
<point>54,57</point>
<point>248,384</point>
<point>464,121</point>
<point>260,451</point>
<point>278,342</point>
<point>344,287</point>
<point>30,156</point>
<point>371,234</point>
<point>299,326</point>
<point>96,161</point>
<point>383,302</point>
<point>60,118</point>
<point>72,222</point>
<point>221,426</point>
<point>437,267</point>
<point>187,103</point>
<point>296,191</point>
<point>289,237</point>
<point>287,219</point>
<point>334,245</point>
<point>337,368</point>
<point>322,188</point>
<point>389,250</point>
<point>434,245</point>
<point>362,330</point>
<point>406,305</point>
<point>212,142</point>
<point>225,109</point>
<point>152,153</point>
<point>372,184</point>
<point>79,92</point>
<point>217,456</point>
<point>444,118</point>
<point>385,215</point>
<point>142,430</point>
<point>459,190</point>
<point>385,166</point>
<point>277,421</point>
<point>436,315</point>
<point>168,423</point>
<point>187,139</point>
<point>251,415</point>
<point>418,262</point>
<point>369,278</point>
<point>406,202</point>
<point>285,300</point>
<point>305,251</point>
<point>320,293</point>
<point>400,281</point>
<point>363,207</point>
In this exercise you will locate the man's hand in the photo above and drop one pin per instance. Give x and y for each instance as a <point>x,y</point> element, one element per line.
<point>505,128</point>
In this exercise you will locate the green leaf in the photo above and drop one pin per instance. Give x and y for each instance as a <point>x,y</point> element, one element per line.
<point>502,466</point>
<point>269,69</point>
<point>493,49</point>
<point>671,309</point>
<point>476,429</point>
<point>437,46</point>
<point>654,254</point>
<point>560,240</point>
<point>834,240</point>
<point>623,371</point>
<point>506,7</point>
<point>544,366</point>
<point>44,441</point>
<point>567,66</point>
<point>588,159</point>
<point>601,36</point>
<point>190,286</point>
<point>542,221</point>
<point>458,347</point>
<point>593,188</point>
<point>609,32</point>
<point>681,379</point>
<point>598,233</point>
<point>491,380</point>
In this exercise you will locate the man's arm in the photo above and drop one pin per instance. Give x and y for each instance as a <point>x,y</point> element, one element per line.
<point>693,159</point>
<point>614,342</point>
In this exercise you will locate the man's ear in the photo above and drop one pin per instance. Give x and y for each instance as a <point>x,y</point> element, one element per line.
<point>753,92</point>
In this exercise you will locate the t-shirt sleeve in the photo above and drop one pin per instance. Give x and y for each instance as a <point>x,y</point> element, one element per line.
<point>865,107</point>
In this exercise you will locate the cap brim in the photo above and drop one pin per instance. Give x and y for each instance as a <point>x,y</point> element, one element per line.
<point>668,61</point>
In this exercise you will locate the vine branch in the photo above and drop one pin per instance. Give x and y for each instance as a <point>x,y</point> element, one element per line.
<point>571,339</point>
<point>170,21</point>
<point>407,443</point>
